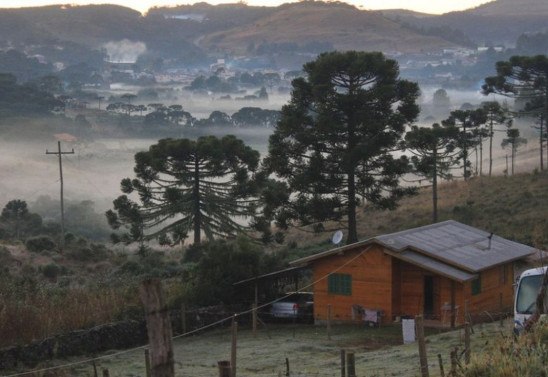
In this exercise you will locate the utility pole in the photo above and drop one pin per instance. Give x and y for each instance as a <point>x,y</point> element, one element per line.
<point>59,154</point>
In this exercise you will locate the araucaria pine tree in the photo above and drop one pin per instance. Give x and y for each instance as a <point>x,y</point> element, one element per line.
<point>181,186</point>
<point>335,140</point>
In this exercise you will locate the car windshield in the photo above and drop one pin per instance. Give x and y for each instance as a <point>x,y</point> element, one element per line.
<point>527,294</point>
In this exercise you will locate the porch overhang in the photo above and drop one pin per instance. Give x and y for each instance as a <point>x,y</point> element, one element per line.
<point>432,265</point>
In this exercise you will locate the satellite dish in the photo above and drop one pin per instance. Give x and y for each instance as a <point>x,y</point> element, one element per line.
<point>337,237</point>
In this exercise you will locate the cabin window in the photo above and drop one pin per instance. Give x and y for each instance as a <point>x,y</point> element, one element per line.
<point>476,286</point>
<point>340,284</point>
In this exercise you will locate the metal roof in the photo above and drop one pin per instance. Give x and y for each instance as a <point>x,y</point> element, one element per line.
<point>448,248</point>
<point>433,265</point>
<point>457,244</point>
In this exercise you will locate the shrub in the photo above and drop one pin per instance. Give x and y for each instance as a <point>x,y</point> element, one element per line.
<point>525,356</point>
<point>39,243</point>
<point>131,267</point>
<point>91,253</point>
<point>51,271</point>
<point>4,253</point>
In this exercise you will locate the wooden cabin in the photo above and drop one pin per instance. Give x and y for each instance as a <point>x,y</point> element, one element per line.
<point>439,271</point>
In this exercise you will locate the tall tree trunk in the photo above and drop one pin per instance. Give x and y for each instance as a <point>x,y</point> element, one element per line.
<point>514,147</point>
<point>491,147</point>
<point>435,188</point>
<point>542,142</point>
<point>465,152</point>
<point>543,118</point>
<point>481,156</point>
<point>352,226</point>
<point>196,194</point>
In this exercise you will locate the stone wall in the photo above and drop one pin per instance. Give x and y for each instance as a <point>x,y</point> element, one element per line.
<point>92,341</point>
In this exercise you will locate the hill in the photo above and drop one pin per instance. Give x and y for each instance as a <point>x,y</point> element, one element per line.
<point>239,28</point>
<point>79,34</point>
<point>511,8</point>
<point>498,22</point>
<point>227,27</point>
<point>89,25</point>
<point>512,207</point>
<point>342,26</point>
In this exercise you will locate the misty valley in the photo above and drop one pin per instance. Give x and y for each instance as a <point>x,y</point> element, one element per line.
<point>197,164</point>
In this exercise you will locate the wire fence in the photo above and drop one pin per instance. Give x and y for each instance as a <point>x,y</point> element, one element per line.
<point>289,349</point>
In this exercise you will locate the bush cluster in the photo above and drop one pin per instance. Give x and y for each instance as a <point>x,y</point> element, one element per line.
<point>524,356</point>
<point>39,243</point>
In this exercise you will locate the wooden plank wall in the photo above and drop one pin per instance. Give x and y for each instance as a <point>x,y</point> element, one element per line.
<point>396,287</point>
<point>496,282</point>
<point>371,284</point>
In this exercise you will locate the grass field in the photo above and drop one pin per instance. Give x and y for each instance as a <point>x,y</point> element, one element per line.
<point>378,352</point>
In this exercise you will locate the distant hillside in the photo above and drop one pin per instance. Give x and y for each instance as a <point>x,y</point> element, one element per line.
<point>91,27</point>
<point>187,33</point>
<point>341,25</point>
<point>500,21</point>
<point>511,8</point>
<point>202,18</point>
<point>88,25</point>
<point>395,13</point>
<point>513,207</point>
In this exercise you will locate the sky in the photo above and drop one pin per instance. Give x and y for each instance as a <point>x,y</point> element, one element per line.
<point>426,6</point>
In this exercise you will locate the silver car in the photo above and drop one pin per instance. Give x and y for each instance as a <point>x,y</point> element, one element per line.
<point>294,306</point>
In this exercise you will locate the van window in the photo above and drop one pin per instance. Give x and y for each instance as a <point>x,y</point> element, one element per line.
<point>528,291</point>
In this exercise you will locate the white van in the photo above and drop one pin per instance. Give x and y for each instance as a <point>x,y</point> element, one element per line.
<point>527,291</point>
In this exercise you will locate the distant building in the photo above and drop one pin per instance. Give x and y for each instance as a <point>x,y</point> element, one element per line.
<point>187,16</point>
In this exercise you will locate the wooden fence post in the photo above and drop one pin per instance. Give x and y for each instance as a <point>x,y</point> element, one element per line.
<point>183,318</point>
<point>254,318</point>
<point>147,362</point>
<point>440,362</point>
<point>94,369</point>
<point>468,316</point>
<point>501,306</point>
<point>467,350</point>
<point>287,372</point>
<point>158,328</point>
<point>422,345</point>
<point>329,321</point>
<point>453,312</point>
<point>234,344</point>
<point>343,363</point>
<point>351,364</point>
<point>454,362</point>
<point>224,368</point>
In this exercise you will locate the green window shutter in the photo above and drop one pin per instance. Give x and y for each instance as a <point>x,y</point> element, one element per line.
<point>340,284</point>
<point>476,286</point>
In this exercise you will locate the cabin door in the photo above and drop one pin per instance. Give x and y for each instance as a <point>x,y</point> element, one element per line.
<point>429,290</point>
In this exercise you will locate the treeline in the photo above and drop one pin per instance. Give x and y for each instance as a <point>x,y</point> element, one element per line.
<point>18,221</point>
<point>160,115</point>
<point>234,84</point>
<point>25,99</point>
